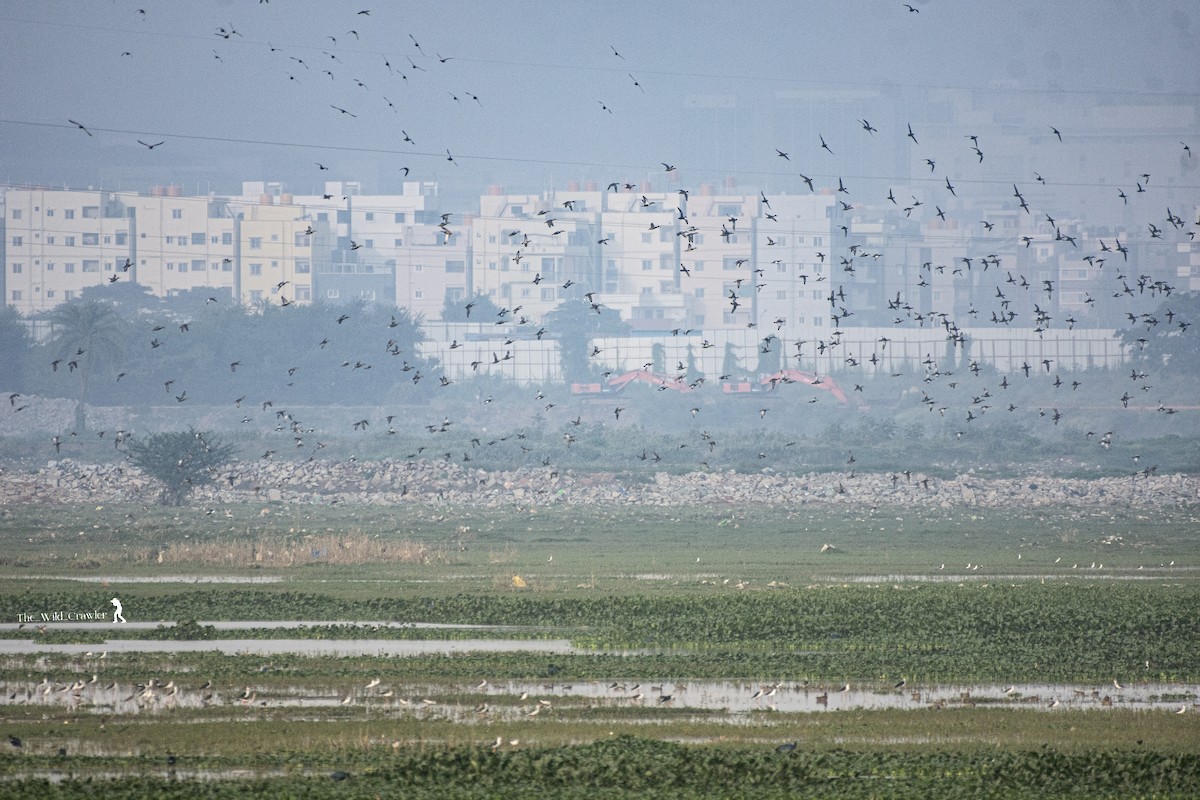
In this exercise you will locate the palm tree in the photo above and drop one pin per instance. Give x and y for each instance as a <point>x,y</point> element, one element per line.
<point>84,335</point>
<point>14,350</point>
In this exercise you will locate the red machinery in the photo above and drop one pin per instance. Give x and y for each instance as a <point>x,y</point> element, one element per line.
<point>797,376</point>
<point>619,382</point>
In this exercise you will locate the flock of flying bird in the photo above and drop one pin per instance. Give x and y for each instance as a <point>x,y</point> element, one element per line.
<point>1010,289</point>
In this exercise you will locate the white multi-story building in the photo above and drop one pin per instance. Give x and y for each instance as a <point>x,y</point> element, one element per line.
<point>59,242</point>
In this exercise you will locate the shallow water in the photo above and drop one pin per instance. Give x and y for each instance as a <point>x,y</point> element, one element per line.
<point>155,578</point>
<point>511,700</point>
<point>251,624</point>
<point>309,647</point>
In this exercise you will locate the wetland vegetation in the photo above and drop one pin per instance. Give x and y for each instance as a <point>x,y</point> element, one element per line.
<point>992,653</point>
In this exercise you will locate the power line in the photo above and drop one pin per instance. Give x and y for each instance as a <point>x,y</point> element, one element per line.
<point>648,169</point>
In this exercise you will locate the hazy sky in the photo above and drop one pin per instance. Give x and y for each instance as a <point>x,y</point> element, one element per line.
<point>244,107</point>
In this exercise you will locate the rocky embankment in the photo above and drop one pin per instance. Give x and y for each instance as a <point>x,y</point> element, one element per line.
<point>440,483</point>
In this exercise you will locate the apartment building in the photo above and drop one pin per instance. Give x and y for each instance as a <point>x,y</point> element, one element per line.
<point>182,243</point>
<point>58,242</point>
<point>391,249</point>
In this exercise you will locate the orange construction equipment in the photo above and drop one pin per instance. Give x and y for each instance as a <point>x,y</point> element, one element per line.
<point>797,376</point>
<point>619,382</point>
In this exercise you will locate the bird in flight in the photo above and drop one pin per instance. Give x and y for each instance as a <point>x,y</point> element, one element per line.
<point>823,145</point>
<point>782,154</point>
<point>148,145</point>
<point>1054,130</point>
<point>80,126</point>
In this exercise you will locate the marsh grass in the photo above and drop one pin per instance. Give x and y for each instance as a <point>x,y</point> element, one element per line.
<point>283,552</point>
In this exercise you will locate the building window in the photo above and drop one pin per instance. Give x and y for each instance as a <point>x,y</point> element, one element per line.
<point>303,293</point>
<point>370,216</point>
<point>69,267</point>
<point>256,295</point>
<point>343,217</point>
<point>69,213</point>
<point>182,266</point>
<point>17,268</point>
<point>256,269</point>
<point>91,265</point>
<point>16,213</point>
<point>69,295</point>
<point>91,239</point>
<point>456,266</point>
<point>399,217</point>
<point>176,213</point>
<point>197,265</point>
<point>699,292</point>
<point>227,265</point>
<point>198,238</point>
<point>647,265</point>
<point>419,294</point>
<point>49,294</point>
<point>17,241</point>
<point>49,212</point>
<point>303,267</point>
<point>16,294</point>
<point>226,238</point>
<point>91,212</point>
<point>256,243</point>
<point>301,239</point>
